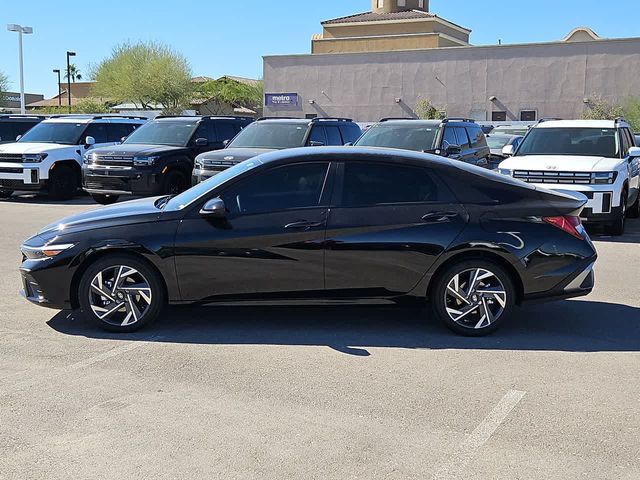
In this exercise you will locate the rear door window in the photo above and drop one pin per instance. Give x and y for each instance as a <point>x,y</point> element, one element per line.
<point>97,131</point>
<point>350,132</point>
<point>477,137</point>
<point>333,135</point>
<point>449,138</point>
<point>461,135</point>
<point>225,131</point>
<point>318,135</point>
<point>116,131</point>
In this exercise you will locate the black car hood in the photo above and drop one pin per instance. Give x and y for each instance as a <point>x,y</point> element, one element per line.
<point>135,149</point>
<point>125,213</point>
<point>234,154</point>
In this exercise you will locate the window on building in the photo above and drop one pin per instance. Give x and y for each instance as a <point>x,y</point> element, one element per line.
<point>402,3</point>
<point>528,115</point>
<point>380,3</point>
<point>421,3</point>
<point>499,116</point>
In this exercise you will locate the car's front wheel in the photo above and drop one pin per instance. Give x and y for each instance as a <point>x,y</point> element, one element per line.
<point>634,210</point>
<point>63,182</point>
<point>618,225</point>
<point>121,293</point>
<point>473,297</point>
<point>104,199</point>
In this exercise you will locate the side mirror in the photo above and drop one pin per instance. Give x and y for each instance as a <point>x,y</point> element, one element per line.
<point>123,139</point>
<point>348,144</point>
<point>226,142</point>
<point>453,150</point>
<point>89,141</point>
<point>18,137</point>
<point>214,208</point>
<point>508,150</point>
<point>202,142</point>
<point>313,143</point>
<point>634,152</point>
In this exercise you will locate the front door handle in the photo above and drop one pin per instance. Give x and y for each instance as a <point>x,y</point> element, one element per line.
<point>440,217</point>
<point>303,225</point>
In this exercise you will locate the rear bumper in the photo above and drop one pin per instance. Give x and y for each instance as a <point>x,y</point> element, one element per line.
<point>580,284</point>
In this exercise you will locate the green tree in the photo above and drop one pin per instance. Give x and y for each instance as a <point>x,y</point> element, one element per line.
<point>86,105</point>
<point>146,74</point>
<point>426,110</point>
<point>74,73</point>
<point>229,91</point>
<point>597,108</point>
<point>4,87</point>
<point>632,112</point>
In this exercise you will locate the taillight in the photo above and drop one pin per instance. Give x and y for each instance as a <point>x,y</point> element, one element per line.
<point>569,224</point>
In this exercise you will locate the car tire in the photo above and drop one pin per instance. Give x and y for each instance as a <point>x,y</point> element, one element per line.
<point>63,182</point>
<point>616,227</point>
<point>104,199</point>
<point>4,194</point>
<point>175,183</point>
<point>473,308</point>
<point>121,293</point>
<point>634,210</point>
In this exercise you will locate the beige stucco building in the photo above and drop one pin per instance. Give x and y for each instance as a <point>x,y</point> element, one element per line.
<point>359,71</point>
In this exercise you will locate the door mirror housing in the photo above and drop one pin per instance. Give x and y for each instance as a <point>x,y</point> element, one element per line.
<point>123,139</point>
<point>226,142</point>
<point>18,137</point>
<point>202,142</point>
<point>214,208</point>
<point>348,144</point>
<point>508,150</point>
<point>634,152</point>
<point>89,141</point>
<point>453,150</point>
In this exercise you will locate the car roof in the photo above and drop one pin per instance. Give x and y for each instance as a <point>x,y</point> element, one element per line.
<point>24,118</point>
<point>379,154</point>
<point>410,122</point>
<point>198,118</point>
<point>86,119</point>
<point>580,124</point>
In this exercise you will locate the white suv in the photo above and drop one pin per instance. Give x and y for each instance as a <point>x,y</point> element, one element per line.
<point>50,155</point>
<point>597,158</point>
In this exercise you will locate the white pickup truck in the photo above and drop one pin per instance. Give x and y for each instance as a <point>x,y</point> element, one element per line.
<point>597,158</point>
<point>50,155</point>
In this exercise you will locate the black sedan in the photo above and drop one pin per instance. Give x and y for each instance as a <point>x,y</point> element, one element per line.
<point>321,224</point>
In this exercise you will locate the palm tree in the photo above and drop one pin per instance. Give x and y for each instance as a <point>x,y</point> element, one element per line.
<point>74,72</point>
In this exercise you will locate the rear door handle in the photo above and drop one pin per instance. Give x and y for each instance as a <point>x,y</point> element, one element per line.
<point>303,225</point>
<point>440,217</point>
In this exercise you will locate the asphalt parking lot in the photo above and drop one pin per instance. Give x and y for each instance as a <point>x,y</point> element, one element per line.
<point>335,392</point>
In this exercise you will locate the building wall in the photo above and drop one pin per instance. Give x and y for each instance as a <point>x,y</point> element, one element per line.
<point>378,44</point>
<point>552,78</point>
<point>392,28</point>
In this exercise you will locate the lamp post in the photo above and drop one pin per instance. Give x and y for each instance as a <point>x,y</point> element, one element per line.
<point>69,54</point>
<point>12,27</point>
<point>57,70</point>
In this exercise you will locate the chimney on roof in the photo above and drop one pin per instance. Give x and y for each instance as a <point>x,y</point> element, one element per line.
<point>391,6</point>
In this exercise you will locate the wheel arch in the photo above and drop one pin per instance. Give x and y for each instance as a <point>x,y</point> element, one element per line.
<point>99,253</point>
<point>480,255</point>
<point>67,163</point>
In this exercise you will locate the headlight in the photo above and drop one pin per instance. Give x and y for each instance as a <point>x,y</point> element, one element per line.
<point>89,158</point>
<point>603,178</point>
<point>505,171</point>
<point>45,252</point>
<point>33,157</point>
<point>144,161</point>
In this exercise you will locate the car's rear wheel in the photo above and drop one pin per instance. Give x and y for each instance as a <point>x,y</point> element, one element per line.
<point>617,226</point>
<point>6,193</point>
<point>63,182</point>
<point>175,183</point>
<point>104,199</point>
<point>121,293</point>
<point>473,297</point>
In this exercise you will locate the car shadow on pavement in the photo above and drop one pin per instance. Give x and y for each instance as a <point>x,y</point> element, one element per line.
<point>631,235</point>
<point>576,326</point>
<point>41,199</point>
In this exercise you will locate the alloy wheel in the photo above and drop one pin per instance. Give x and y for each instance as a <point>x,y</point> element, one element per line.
<point>120,295</point>
<point>475,298</point>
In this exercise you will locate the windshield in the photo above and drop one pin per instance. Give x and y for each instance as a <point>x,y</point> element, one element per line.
<point>511,130</point>
<point>271,135</point>
<point>185,198</point>
<point>591,142</point>
<point>163,132</point>
<point>65,133</point>
<point>498,141</point>
<point>420,139</point>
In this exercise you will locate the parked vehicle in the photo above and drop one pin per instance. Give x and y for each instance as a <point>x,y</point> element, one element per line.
<point>594,157</point>
<point>49,156</point>
<point>455,138</point>
<point>321,224</point>
<point>512,128</point>
<point>14,126</point>
<point>496,143</point>
<point>269,134</point>
<point>158,158</point>
<point>637,138</point>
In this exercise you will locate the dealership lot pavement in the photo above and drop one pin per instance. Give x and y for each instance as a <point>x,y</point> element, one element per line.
<point>335,392</point>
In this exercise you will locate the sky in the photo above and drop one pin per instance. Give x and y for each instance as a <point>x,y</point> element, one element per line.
<point>229,37</point>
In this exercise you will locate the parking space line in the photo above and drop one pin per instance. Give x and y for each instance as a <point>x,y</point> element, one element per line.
<point>468,449</point>
<point>12,387</point>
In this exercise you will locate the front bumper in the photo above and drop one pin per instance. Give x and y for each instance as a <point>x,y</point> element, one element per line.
<point>18,176</point>
<point>603,204</point>
<point>33,292</point>
<point>199,175</point>
<point>120,182</point>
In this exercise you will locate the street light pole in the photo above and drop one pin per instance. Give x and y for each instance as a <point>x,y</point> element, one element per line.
<point>57,70</point>
<point>26,30</point>
<point>69,54</point>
